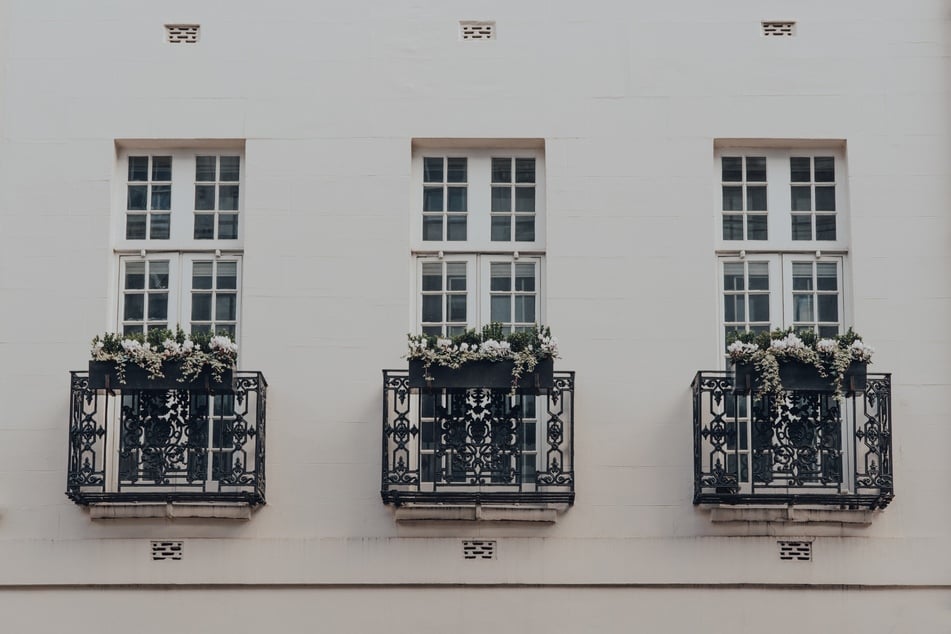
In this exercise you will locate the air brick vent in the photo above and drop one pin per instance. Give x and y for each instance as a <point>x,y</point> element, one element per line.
<point>167,550</point>
<point>478,549</point>
<point>795,551</point>
<point>471,30</point>
<point>181,33</point>
<point>779,29</point>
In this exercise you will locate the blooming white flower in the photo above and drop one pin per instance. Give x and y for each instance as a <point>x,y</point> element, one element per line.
<point>443,343</point>
<point>827,346</point>
<point>740,351</point>
<point>860,351</point>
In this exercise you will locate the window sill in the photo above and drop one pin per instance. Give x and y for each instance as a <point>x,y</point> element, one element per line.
<point>170,510</point>
<point>790,515</point>
<point>475,513</point>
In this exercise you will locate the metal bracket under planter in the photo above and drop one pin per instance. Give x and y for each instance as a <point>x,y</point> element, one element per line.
<point>103,376</point>
<point>804,377</point>
<point>484,374</point>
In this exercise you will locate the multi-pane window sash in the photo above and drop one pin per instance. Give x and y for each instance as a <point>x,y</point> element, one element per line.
<point>217,185</point>
<point>513,199</point>
<point>148,198</point>
<point>812,197</point>
<point>445,198</point>
<point>744,197</point>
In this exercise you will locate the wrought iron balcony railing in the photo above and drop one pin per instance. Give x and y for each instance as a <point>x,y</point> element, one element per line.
<point>812,449</point>
<point>477,445</point>
<point>185,445</point>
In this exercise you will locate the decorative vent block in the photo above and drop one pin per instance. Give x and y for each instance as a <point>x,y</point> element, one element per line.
<point>779,29</point>
<point>478,549</point>
<point>167,550</point>
<point>181,33</point>
<point>795,551</point>
<point>471,30</point>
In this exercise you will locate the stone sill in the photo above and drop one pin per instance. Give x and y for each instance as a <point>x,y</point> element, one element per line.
<point>475,513</point>
<point>170,510</point>
<point>790,515</point>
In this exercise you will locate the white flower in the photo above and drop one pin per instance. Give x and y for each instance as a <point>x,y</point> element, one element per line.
<point>827,346</point>
<point>739,350</point>
<point>188,346</point>
<point>222,343</point>
<point>860,351</point>
<point>443,343</point>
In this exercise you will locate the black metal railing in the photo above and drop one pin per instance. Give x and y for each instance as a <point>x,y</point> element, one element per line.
<point>185,445</point>
<point>812,448</point>
<point>477,445</point>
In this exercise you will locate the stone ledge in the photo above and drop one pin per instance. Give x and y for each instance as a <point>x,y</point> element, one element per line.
<point>169,510</point>
<point>475,513</point>
<point>790,515</point>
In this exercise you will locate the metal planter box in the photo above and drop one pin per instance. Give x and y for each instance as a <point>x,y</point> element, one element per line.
<point>103,375</point>
<point>802,377</point>
<point>484,374</point>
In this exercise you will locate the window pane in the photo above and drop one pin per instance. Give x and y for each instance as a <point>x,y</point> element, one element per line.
<point>456,228</point>
<point>801,198</point>
<point>828,331</point>
<point>525,277</point>
<point>501,199</point>
<point>231,168</point>
<point>201,306</point>
<point>135,227</point>
<point>159,226</point>
<point>759,307</point>
<point>732,167</point>
<point>734,308</point>
<point>801,227</point>
<point>802,276</point>
<point>134,307</point>
<point>138,197</point>
<point>432,199</point>
<point>456,199</point>
<point>756,169</point>
<point>138,168</point>
<point>456,276</point>
<point>202,275</point>
<point>827,278</point>
<point>825,198</point>
<point>135,275</point>
<point>432,227</point>
<point>756,227</point>
<point>799,170</point>
<point>825,227</point>
<point>161,168</point>
<point>456,306</point>
<point>205,168</point>
<point>432,277</point>
<point>524,228</point>
<point>158,306</point>
<point>432,307</point>
<point>732,227</point>
<point>524,199</point>
<point>432,170</point>
<point>501,308</point>
<point>825,169</point>
<point>204,226</point>
<point>732,199</point>
<point>759,276</point>
<point>226,306</point>
<point>456,170</point>
<point>756,199</point>
<point>161,197</point>
<point>501,228</point>
<point>525,308</point>
<point>158,275</point>
<point>501,170</point>
<point>227,275</point>
<point>802,308</point>
<point>228,197</point>
<point>733,276</point>
<point>524,170</point>
<point>228,226</point>
<point>501,276</point>
<point>828,307</point>
<point>204,197</point>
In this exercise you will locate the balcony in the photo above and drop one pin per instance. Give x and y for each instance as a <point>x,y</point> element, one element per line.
<point>473,446</point>
<point>155,449</point>
<point>813,449</point>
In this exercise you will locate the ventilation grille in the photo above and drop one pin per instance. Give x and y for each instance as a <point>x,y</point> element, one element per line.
<point>795,551</point>
<point>779,29</point>
<point>469,30</point>
<point>167,550</point>
<point>181,33</point>
<point>478,550</point>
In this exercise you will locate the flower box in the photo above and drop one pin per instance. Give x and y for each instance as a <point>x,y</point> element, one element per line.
<point>485,374</point>
<point>802,377</point>
<point>103,375</point>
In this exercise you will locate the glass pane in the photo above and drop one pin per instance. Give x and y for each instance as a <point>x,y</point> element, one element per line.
<point>732,167</point>
<point>825,169</point>
<point>827,278</point>
<point>802,227</point>
<point>756,227</point>
<point>525,308</point>
<point>205,168</point>
<point>732,227</point>
<point>759,307</point>
<point>432,227</point>
<point>456,199</point>
<point>759,276</point>
<point>202,275</point>
<point>456,228</point>
<point>756,169</point>
<point>802,276</point>
<point>228,197</point>
<point>829,307</point>
<point>501,228</point>
<point>226,306</point>
<point>525,277</point>
<point>825,198</point>
<point>801,198</point>
<point>135,227</point>
<point>161,197</point>
<point>138,197</point>
<point>432,169</point>
<point>501,170</point>
<point>158,306</point>
<point>501,308</point>
<point>201,306</point>
<point>228,226</point>
<point>456,276</point>
<point>524,170</point>
<point>158,275</point>
<point>756,199</point>
<point>161,168</point>
<point>802,308</point>
<point>227,275</point>
<point>138,168</point>
<point>456,307</point>
<point>432,199</point>
<point>524,199</point>
<point>825,227</point>
<point>828,331</point>
<point>134,307</point>
<point>204,226</point>
<point>135,275</point>
<point>525,228</point>
<point>159,226</point>
<point>501,199</point>
<point>432,330</point>
<point>204,197</point>
<point>432,277</point>
<point>455,170</point>
<point>230,168</point>
<point>432,307</point>
<point>733,276</point>
<point>799,169</point>
<point>732,198</point>
<point>733,307</point>
<point>501,273</point>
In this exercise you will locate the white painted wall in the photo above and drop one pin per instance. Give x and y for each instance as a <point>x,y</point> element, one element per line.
<point>328,97</point>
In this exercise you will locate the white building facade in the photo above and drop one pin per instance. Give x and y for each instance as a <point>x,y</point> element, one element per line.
<point>321,179</point>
